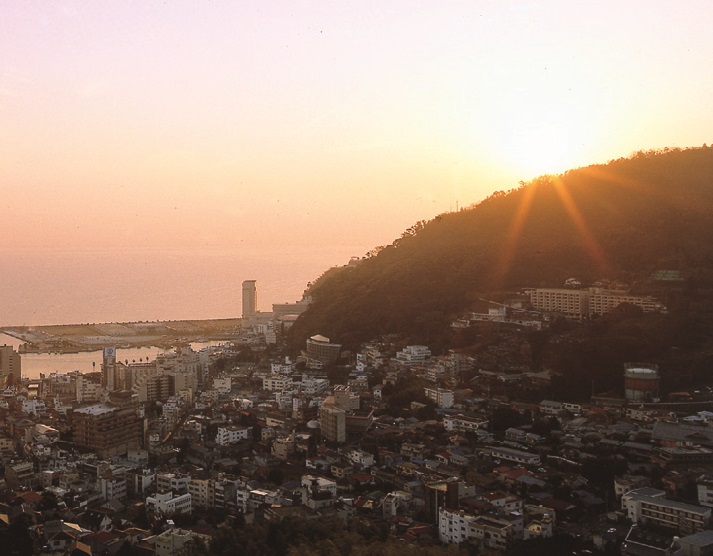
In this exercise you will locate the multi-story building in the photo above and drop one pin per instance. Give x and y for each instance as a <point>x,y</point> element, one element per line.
<point>224,492</point>
<point>454,526</point>
<point>113,488</point>
<point>361,458</point>
<point>492,533</point>
<point>10,367</point>
<point>109,371</point>
<point>321,352</point>
<point>285,367</point>
<point>602,301</point>
<point>231,435</point>
<point>580,304</point>
<point>107,429</point>
<point>332,421</point>
<point>202,492</point>
<point>413,355</point>
<point>174,482</point>
<point>344,398</point>
<point>173,541</point>
<point>649,506</point>
<point>705,490</point>
<point>439,495</point>
<point>443,398</point>
<point>571,303</point>
<point>313,386</point>
<point>167,504</point>
<point>20,474</point>
<point>276,383</point>
<point>249,298</point>
<point>281,310</point>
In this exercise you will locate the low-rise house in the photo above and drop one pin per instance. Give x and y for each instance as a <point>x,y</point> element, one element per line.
<point>514,456</point>
<point>464,423</point>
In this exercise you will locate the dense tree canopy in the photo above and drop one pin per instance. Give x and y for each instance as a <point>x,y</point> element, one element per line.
<point>621,220</point>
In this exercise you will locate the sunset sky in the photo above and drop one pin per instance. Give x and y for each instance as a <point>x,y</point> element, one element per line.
<point>222,124</point>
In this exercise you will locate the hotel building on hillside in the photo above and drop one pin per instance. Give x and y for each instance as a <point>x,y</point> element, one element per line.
<point>321,352</point>
<point>580,304</point>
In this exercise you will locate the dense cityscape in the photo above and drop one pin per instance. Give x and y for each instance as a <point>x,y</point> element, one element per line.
<point>165,456</point>
<point>481,237</point>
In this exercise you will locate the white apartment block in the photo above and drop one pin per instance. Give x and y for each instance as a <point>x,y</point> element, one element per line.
<point>285,368</point>
<point>249,499</point>
<point>166,503</point>
<point>277,383</point>
<point>443,398</point>
<point>453,526</point>
<point>314,386</point>
<point>231,435</point>
<point>361,458</point>
<point>648,506</point>
<point>413,355</point>
<point>313,485</point>
<point>113,489</point>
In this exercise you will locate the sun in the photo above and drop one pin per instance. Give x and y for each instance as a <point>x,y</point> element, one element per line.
<point>538,148</point>
<point>533,130</point>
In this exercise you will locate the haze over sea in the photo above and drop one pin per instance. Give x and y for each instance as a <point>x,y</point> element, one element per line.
<point>69,287</point>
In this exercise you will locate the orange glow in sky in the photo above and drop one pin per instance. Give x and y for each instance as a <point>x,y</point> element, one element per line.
<point>135,124</point>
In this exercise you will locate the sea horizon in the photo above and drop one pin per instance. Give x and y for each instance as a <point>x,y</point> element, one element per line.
<point>49,287</point>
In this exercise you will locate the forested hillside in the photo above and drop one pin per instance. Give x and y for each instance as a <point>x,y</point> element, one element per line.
<point>620,220</point>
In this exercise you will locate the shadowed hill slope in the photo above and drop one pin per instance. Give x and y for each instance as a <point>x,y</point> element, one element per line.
<point>621,220</point>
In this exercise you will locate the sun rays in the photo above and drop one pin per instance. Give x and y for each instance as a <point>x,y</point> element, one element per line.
<point>517,229</point>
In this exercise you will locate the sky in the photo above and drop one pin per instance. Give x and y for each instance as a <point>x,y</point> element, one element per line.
<point>142,126</point>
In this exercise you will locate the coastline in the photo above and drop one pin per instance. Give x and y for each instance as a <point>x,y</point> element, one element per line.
<point>76,338</point>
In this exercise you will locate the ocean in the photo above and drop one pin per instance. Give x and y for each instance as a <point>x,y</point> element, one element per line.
<point>41,287</point>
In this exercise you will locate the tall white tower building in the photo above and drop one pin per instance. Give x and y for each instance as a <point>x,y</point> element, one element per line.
<point>249,298</point>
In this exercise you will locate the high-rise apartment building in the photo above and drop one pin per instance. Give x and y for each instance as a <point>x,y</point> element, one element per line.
<point>109,374</point>
<point>107,429</point>
<point>249,298</point>
<point>332,421</point>
<point>10,367</point>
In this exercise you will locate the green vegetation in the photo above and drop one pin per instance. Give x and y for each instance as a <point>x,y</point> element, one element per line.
<point>619,221</point>
<point>296,536</point>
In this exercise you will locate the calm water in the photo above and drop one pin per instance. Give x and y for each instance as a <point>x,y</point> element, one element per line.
<point>42,287</point>
<point>86,361</point>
